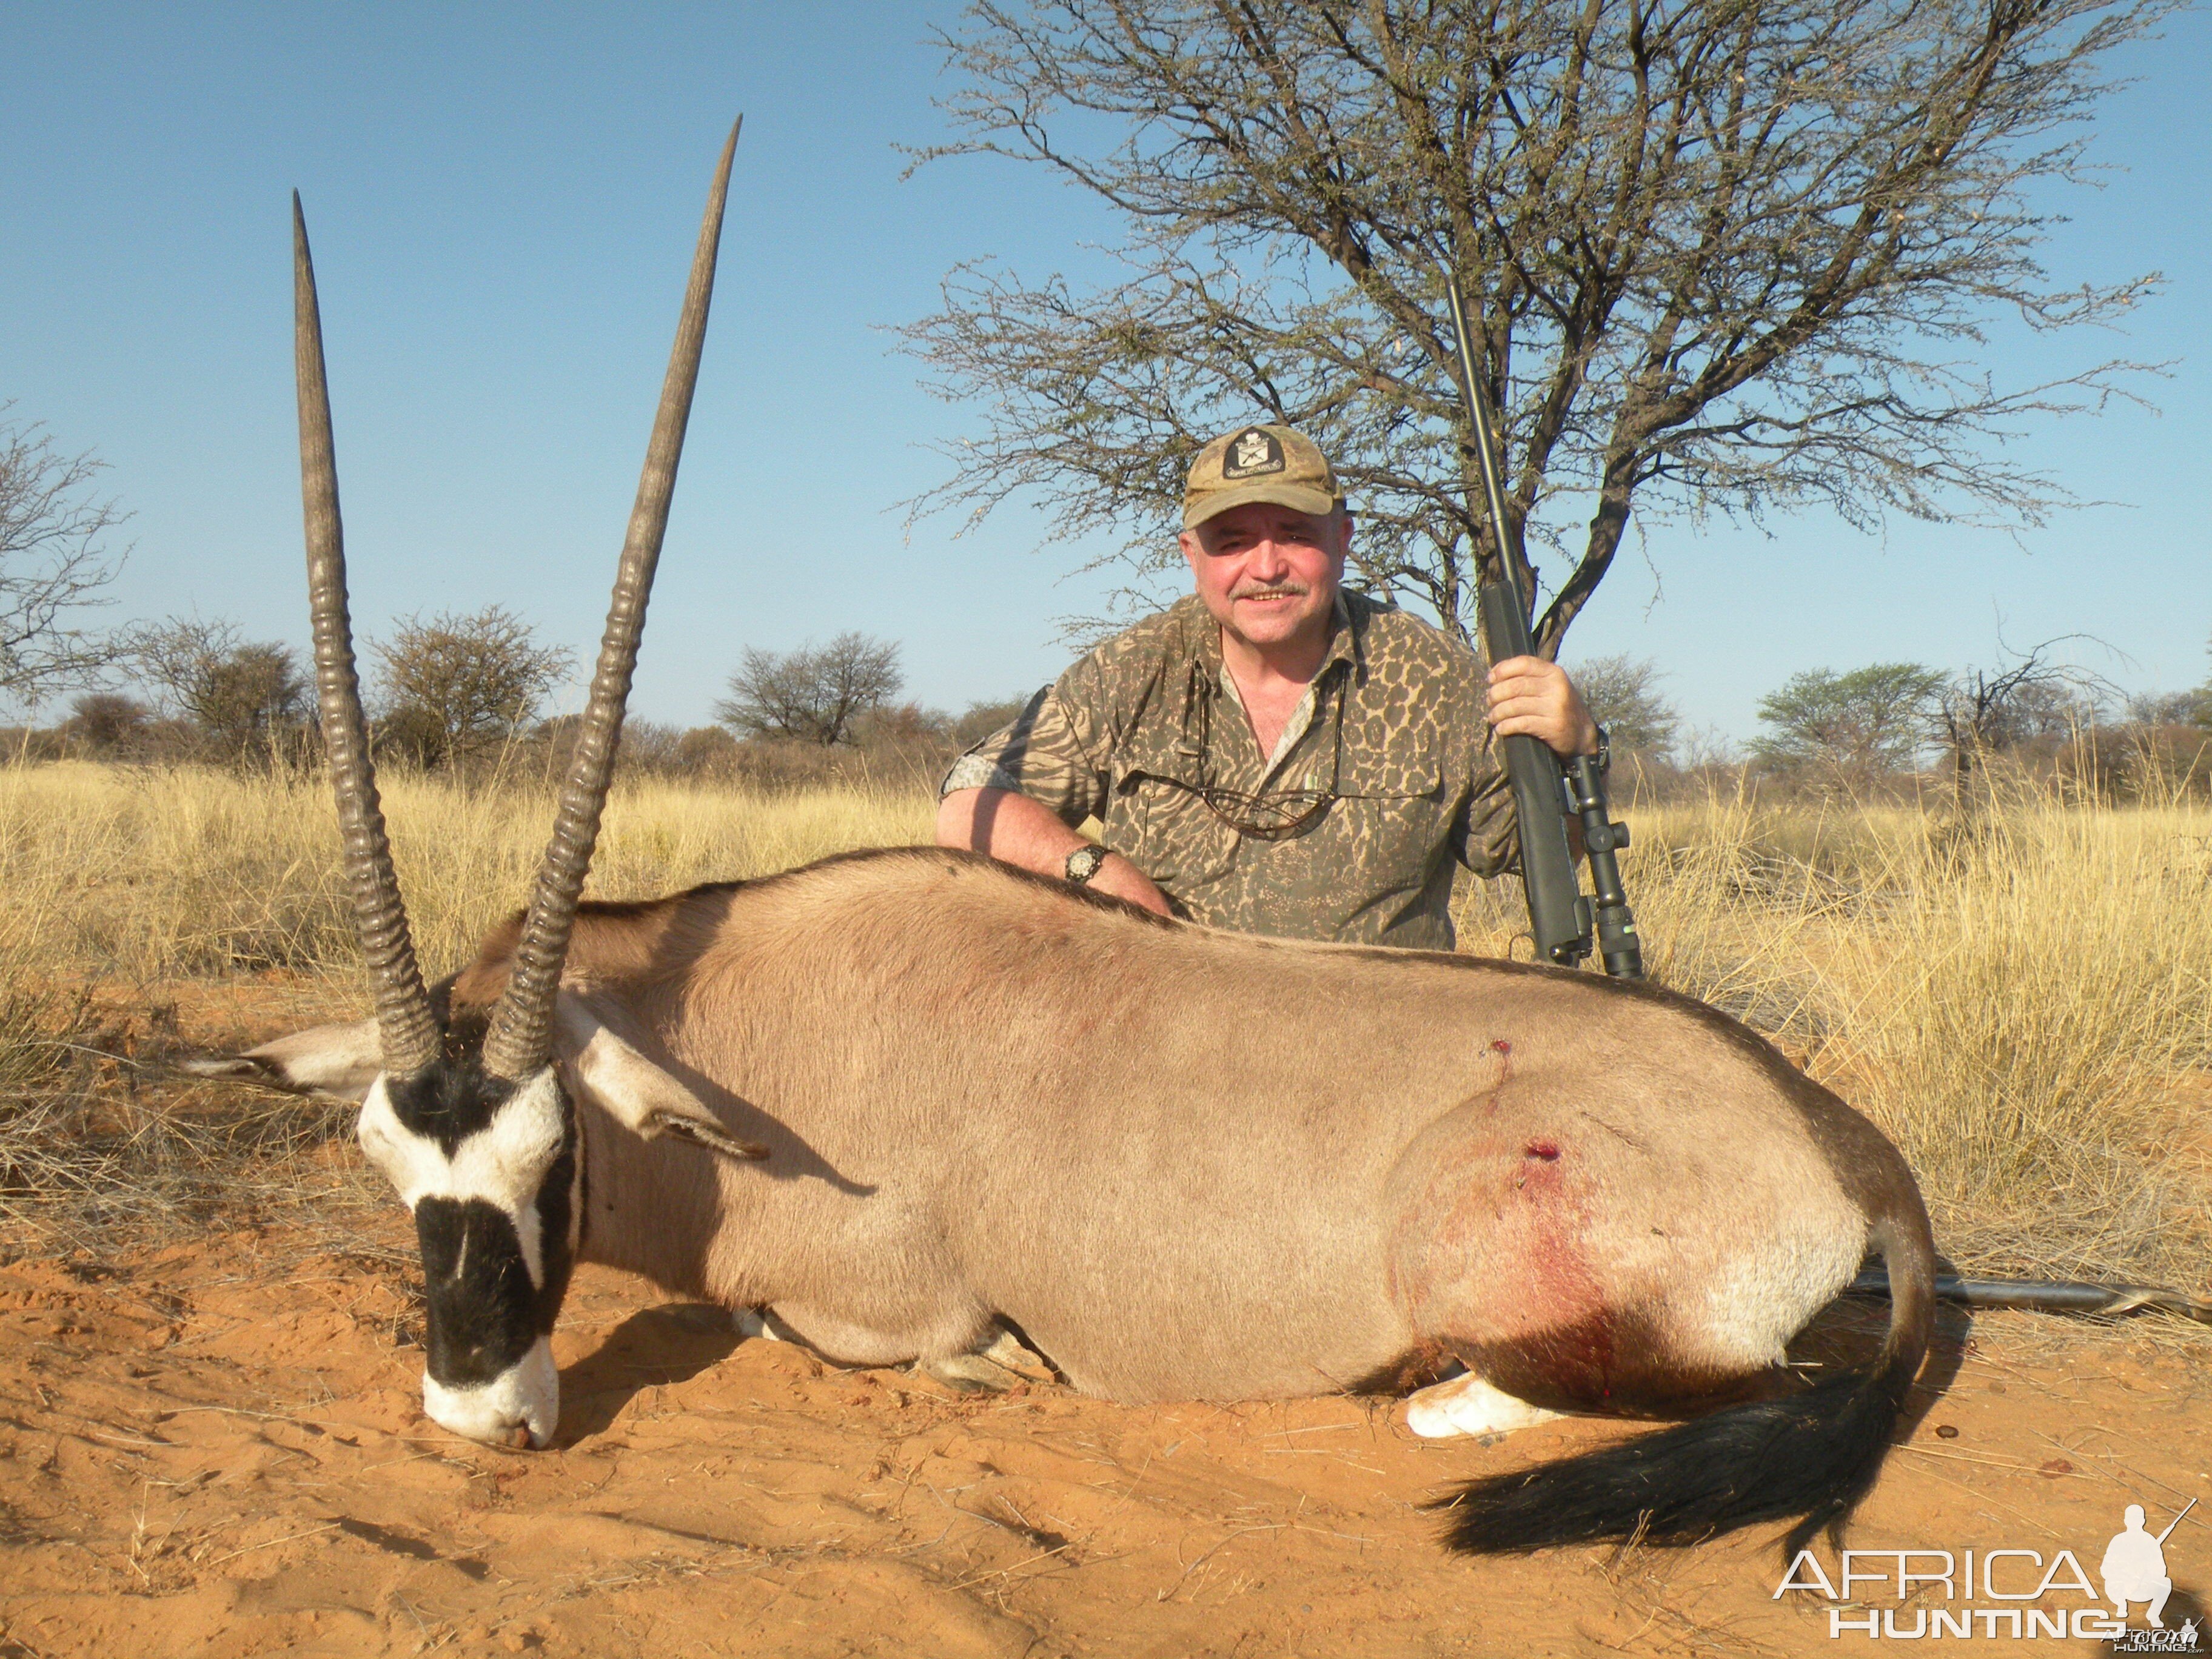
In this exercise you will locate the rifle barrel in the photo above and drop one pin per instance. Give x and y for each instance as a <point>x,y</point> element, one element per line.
<point>1561,919</point>
<point>1493,486</point>
<point>2177,1520</point>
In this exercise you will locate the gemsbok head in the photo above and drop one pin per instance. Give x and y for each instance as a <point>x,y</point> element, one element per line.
<point>472,1119</point>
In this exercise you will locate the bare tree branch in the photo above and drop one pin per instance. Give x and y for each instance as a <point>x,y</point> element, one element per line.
<point>244,698</point>
<point>1985,711</point>
<point>54,564</point>
<point>1727,256</point>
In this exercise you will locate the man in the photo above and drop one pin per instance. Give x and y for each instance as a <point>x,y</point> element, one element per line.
<point>2133,1568</point>
<point>1272,754</point>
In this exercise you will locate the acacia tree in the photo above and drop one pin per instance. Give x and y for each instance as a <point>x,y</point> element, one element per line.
<point>1848,728</point>
<point>1720,252</point>
<point>53,563</point>
<point>454,684</point>
<point>814,694</point>
<point>241,696</point>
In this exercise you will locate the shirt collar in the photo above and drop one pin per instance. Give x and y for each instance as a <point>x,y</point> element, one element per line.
<point>1348,645</point>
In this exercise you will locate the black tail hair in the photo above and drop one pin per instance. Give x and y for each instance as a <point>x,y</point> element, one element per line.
<point>1813,1456</point>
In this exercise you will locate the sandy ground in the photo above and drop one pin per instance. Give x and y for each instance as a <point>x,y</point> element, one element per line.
<point>217,1449</point>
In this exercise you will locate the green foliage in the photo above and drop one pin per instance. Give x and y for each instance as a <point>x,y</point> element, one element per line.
<point>1849,726</point>
<point>455,685</point>
<point>1622,694</point>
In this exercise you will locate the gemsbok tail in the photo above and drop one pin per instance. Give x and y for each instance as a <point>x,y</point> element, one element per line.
<point>1811,1456</point>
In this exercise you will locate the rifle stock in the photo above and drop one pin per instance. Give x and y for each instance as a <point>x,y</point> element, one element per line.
<point>1560,919</point>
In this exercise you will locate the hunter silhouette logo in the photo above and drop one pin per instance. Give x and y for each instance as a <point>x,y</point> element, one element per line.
<point>1251,452</point>
<point>2133,1568</point>
<point>2008,1594</point>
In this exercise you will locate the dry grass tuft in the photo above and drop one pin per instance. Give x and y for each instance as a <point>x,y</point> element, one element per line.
<point>2027,1008</point>
<point>102,1145</point>
<point>37,1090</point>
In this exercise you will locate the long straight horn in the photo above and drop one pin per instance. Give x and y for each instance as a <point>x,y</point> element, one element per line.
<point>519,1041</point>
<point>403,1018</point>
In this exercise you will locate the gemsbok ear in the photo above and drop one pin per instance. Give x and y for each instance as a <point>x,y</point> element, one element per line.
<point>340,1061</point>
<point>632,1088</point>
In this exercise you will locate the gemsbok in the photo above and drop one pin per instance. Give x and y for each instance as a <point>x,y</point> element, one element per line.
<point>911,1100</point>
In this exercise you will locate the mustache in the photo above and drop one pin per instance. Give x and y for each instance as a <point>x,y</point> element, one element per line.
<point>1271,591</point>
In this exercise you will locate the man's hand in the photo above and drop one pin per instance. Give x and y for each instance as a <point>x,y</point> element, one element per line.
<point>1124,880</point>
<point>1531,697</point>
<point>1012,827</point>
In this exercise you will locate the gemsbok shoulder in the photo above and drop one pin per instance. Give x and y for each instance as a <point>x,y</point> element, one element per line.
<point>910,1099</point>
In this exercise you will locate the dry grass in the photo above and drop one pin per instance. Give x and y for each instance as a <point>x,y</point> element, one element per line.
<point>122,889</point>
<point>159,873</point>
<point>2027,1010</point>
<point>101,1143</point>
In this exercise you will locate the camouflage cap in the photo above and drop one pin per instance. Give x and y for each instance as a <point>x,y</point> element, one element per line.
<point>1260,463</point>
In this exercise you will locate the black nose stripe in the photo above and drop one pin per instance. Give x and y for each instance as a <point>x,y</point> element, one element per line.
<point>482,1306</point>
<point>482,1312</point>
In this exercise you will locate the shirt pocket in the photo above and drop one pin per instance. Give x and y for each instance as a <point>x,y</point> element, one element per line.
<point>1393,822</point>
<point>1158,820</point>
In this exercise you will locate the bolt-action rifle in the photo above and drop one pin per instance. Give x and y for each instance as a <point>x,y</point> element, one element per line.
<point>1559,916</point>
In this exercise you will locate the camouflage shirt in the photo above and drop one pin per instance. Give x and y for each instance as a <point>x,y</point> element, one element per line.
<point>1383,777</point>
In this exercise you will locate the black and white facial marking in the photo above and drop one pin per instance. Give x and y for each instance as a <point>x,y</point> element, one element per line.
<point>494,1174</point>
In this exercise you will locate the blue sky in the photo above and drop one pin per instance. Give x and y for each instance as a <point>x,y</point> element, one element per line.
<point>503,201</point>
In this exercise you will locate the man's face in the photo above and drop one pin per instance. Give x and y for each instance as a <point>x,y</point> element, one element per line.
<point>1269,573</point>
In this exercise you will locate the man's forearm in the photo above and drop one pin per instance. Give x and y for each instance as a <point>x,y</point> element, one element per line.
<point>1006,825</point>
<point>1010,825</point>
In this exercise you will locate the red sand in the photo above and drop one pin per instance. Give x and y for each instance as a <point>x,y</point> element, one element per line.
<point>220,1450</point>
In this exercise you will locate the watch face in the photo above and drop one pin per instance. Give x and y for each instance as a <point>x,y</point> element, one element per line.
<point>1084,863</point>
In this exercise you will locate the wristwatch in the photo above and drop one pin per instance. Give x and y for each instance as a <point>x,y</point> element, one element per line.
<point>1084,862</point>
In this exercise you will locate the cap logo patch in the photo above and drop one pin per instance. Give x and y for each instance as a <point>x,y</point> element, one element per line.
<point>1252,453</point>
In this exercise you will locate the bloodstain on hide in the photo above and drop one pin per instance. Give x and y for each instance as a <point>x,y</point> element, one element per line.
<point>1568,1340</point>
<point>1505,1273</point>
